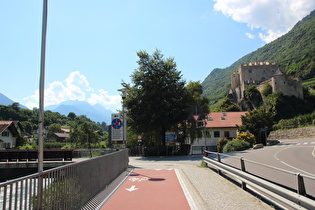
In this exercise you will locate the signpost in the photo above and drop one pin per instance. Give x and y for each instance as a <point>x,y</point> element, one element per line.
<point>117,127</point>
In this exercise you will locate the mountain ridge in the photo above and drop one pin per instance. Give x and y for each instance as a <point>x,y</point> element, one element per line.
<point>96,113</point>
<point>4,100</point>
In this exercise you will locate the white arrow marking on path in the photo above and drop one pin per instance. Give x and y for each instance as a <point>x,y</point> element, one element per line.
<point>132,188</point>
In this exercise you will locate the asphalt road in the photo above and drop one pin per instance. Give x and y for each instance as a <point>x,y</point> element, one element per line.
<point>293,156</point>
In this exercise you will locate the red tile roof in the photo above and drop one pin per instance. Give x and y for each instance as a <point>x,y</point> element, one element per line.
<point>224,119</point>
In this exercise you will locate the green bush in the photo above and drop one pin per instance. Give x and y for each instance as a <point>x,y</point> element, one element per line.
<point>247,137</point>
<point>29,146</point>
<point>220,144</point>
<point>235,145</point>
<point>54,145</point>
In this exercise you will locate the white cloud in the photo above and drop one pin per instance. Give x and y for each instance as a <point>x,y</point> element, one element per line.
<point>274,17</point>
<point>112,103</point>
<point>249,35</point>
<point>75,87</point>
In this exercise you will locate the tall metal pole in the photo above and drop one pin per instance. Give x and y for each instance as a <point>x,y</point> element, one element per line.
<point>123,95</point>
<point>41,90</point>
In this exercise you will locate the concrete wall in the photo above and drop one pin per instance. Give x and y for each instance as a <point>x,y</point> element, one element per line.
<point>298,133</point>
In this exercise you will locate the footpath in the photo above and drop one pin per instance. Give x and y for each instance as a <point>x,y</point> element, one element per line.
<point>203,188</point>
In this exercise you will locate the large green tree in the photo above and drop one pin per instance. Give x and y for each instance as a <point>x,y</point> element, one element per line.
<point>157,99</point>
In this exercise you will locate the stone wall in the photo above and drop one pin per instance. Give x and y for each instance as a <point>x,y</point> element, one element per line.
<point>298,133</point>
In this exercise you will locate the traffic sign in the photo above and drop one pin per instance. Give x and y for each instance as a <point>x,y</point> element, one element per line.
<point>117,123</point>
<point>196,117</point>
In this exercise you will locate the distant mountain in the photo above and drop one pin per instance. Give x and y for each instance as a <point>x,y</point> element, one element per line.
<point>294,52</point>
<point>4,100</point>
<point>96,113</point>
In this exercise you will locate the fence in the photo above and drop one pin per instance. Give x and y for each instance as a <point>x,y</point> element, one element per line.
<point>66,187</point>
<point>16,155</point>
<point>295,196</point>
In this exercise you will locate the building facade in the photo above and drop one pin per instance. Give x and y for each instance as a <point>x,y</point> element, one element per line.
<point>9,132</point>
<point>217,125</point>
<point>260,73</point>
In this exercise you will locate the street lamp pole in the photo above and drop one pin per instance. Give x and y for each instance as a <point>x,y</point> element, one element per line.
<point>123,96</point>
<point>41,90</point>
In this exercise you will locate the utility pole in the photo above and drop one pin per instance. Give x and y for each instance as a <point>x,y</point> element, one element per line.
<point>41,91</point>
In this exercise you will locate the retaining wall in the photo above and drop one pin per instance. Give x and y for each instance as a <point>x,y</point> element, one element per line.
<point>297,133</point>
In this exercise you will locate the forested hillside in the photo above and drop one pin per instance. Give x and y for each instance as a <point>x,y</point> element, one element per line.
<point>294,52</point>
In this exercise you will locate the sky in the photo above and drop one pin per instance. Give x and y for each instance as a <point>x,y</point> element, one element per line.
<point>92,45</point>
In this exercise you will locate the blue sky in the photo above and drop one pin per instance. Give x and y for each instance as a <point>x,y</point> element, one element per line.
<point>92,44</point>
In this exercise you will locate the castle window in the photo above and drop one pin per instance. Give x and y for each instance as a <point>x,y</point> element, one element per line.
<point>250,71</point>
<point>263,79</point>
<point>272,70</point>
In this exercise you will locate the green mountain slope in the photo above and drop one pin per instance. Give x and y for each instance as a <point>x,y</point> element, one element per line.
<point>294,52</point>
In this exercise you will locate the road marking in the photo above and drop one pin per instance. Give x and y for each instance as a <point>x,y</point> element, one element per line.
<point>132,188</point>
<point>276,156</point>
<point>189,198</point>
<point>136,179</point>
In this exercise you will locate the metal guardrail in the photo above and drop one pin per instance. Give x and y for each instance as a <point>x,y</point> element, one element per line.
<point>66,187</point>
<point>293,199</point>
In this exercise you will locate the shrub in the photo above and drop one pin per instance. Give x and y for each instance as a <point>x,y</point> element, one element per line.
<point>220,143</point>
<point>236,145</point>
<point>29,146</point>
<point>247,137</point>
<point>54,145</point>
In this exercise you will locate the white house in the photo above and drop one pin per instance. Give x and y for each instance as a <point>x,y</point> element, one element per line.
<point>9,131</point>
<point>218,125</point>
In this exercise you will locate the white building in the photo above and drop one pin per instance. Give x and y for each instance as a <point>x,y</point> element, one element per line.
<point>9,131</point>
<point>218,125</point>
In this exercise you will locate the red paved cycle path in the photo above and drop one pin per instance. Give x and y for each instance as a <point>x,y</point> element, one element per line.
<point>149,189</point>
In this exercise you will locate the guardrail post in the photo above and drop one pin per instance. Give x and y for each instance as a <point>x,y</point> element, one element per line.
<point>243,169</point>
<point>219,160</point>
<point>300,184</point>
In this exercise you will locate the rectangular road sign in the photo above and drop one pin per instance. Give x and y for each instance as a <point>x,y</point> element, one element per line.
<point>117,127</point>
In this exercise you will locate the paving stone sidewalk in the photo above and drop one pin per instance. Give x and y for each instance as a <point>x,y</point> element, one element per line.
<point>207,189</point>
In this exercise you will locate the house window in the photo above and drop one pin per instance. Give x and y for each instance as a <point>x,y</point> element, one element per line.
<point>6,133</point>
<point>227,134</point>
<point>6,145</point>
<point>216,134</point>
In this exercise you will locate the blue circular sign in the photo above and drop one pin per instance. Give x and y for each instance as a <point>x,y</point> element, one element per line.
<point>117,123</point>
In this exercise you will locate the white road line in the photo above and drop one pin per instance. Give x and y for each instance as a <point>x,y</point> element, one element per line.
<point>189,198</point>
<point>305,172</point>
